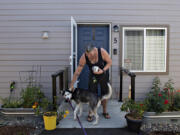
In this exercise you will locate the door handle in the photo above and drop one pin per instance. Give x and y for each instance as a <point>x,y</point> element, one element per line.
<point>70,60</point>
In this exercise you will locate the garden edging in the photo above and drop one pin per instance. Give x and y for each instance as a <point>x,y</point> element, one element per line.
<point>165,121</point>
<point>17,111</point>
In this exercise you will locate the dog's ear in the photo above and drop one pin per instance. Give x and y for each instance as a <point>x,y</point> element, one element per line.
<point>63,92</point>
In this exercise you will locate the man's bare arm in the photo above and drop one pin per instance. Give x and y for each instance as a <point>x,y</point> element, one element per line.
<point>106,58</point>
<point>80,67</point>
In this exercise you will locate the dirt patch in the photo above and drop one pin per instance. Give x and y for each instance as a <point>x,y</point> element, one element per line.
<point>163,133</point>
<point>131,117</point>
<point>16,130</point>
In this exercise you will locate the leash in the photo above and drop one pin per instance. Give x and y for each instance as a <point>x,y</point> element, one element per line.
<point>78,118</point>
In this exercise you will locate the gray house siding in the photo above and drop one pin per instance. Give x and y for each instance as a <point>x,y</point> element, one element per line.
<point>22,23</point>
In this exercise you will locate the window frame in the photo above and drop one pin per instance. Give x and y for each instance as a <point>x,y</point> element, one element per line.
<point>144,28</point>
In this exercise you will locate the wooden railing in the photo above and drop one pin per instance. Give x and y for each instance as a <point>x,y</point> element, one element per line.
<point>133,76</point>
<point>63,82</point>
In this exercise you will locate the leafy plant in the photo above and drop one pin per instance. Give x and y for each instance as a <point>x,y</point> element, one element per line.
<point>51,113</point>
<point>62,114</point>
<point>176,103</point>
<point>30,95</point>
<point>44,105</point>
<point>13,103</point>
<point>135,109</point>
<point>170,91</point>
<point>157,99</point>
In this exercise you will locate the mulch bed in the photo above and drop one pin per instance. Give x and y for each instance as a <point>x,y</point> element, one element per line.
<point>16,130</point>
<point>163,133</point>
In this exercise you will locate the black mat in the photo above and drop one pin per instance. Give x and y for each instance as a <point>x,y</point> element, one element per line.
<point>90,131</point>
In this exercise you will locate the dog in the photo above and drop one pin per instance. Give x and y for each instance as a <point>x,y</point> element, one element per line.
<point>81,96</point>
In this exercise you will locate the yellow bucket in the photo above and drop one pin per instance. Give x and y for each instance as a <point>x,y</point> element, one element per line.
<point>50,122</point>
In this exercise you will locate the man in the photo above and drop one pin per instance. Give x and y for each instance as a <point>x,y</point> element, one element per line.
<point>95,57</point>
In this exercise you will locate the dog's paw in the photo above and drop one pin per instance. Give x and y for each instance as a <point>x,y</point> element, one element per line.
<point>75,118</point>
<point>95,123</point>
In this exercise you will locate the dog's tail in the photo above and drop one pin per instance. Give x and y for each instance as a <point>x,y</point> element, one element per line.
<point>109,92</point>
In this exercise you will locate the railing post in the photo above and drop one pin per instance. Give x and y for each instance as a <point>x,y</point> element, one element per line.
<point>54,89</point>
<point>63,83</point>
<point>133,86</point>
<point>61,87</point>
<point>121,85</point>
<point>66,78</point>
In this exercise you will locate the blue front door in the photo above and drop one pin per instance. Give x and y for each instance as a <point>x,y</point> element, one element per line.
<point>97,35</point>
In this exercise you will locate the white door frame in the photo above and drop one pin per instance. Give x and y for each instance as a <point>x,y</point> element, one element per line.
<point>73,55</point>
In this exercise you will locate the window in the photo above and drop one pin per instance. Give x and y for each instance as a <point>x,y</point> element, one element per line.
<point>144,49</point>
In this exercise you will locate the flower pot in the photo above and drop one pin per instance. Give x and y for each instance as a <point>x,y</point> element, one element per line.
<point>133,124</point>
<point>50,121</point>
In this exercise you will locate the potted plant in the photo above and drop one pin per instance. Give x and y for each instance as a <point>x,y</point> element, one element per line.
<point>135,112</point>
<point>50,120</point>
<point>162,107</point>
<point>51,117</point>
<point>45,108</point>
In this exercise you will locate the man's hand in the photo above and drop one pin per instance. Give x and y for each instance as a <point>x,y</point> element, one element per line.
<point>100,71</point>
<point>71,88</point>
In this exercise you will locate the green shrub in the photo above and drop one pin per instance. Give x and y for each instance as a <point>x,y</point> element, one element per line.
<point>135,109</point>
<point>170,91</point>
<point>157,99</point>
<point>13,103</point>
<point>177,102</point>
<point>30,95</point>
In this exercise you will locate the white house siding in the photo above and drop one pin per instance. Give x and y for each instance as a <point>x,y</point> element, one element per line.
<point>22,23</point>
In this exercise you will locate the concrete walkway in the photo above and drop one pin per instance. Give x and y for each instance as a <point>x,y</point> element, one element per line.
<point>117,117</point>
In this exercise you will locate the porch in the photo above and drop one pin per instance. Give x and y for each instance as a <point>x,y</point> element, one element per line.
<point>113,126</point>
<point>117,119</point>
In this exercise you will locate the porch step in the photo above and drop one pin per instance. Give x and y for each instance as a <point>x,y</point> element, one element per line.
<point>117,117</point>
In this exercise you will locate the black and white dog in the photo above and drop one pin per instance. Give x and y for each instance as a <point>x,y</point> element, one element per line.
<point>81,96</point>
